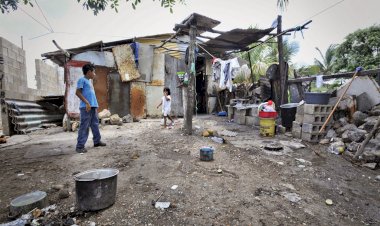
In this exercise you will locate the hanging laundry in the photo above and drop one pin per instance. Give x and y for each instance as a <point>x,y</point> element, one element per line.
<point>216,69</point>
<point>135,48</point>
<point>319,81</point>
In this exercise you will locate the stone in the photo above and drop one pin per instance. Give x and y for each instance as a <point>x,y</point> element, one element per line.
<point>115,120</point>
<point>377,178</point>
<point>205,133</point>
<point>359,118</point>
<point>127,119</point>
<point>353,146</point>
<point>63,194</point>
<point>292,197</point>
<point>341,130</point>
<point>356,135</point>
<point>104,114</point>
<point>324,141</point>
<point>329,202</point>
<point>371,166</point>
<point>363,102</point>
<point>331,134</point>
<point>57,187</point>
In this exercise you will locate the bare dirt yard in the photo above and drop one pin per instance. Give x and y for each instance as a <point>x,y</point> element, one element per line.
<point>244,185</point>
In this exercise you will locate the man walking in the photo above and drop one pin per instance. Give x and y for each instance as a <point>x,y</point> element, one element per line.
<point>88,110</point>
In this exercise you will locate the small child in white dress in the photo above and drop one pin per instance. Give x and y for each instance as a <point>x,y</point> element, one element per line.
<point>166,106</point>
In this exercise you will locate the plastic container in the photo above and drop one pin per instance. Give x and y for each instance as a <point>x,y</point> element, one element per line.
<point>288,114</point>
<point>206,154</point>
<point>317,98</point>
<point>267,121</point>
<point>96,189</point>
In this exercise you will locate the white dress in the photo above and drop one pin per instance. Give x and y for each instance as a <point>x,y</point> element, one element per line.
<point>166,104</point>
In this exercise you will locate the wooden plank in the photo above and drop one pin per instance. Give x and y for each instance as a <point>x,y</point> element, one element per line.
<point>339,75</point>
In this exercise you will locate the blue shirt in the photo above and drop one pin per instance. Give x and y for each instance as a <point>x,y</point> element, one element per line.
<point>88,92</point>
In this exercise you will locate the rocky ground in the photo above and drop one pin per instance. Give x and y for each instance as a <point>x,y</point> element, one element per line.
<point>244,185</point>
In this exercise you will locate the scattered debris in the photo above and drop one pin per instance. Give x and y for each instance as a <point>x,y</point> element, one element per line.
<point>371,166</point>
<point>273,146</point>
<point>218,140</point>
<point>292,197</point>
<point>205,133</point>
<point>219,171</point>
<point>227,133</point>
<point>336,148</point>
<point>290,186</point>
<point>63,194</point>
<point>329,202</point>
<point>162,205</point>
<point>27,202</point>
<point>174,187</point>
<point>57,187</point>
<point>303,161</point>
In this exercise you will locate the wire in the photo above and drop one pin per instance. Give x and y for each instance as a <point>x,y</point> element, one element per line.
<point>51,28</point>
<point>324,10</point>
<point>34,19</point>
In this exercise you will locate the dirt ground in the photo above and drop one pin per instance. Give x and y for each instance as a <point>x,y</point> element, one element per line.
<point>252,189</point>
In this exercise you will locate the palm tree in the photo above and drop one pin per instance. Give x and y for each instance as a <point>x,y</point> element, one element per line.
<point>328,59</point>
<point>281,4</point>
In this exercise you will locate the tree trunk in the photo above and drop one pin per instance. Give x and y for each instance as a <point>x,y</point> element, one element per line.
<point>281,64</point>
<point>188,92</point>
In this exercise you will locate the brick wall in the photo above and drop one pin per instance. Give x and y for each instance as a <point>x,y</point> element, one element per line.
<point>49,81</point>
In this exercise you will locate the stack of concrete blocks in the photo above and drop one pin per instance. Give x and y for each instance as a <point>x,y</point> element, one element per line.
<point>252,116</point>
<point>309,120</point>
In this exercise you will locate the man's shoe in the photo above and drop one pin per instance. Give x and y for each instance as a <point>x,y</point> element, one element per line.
<point>100,144</point>
<point>81,150</point>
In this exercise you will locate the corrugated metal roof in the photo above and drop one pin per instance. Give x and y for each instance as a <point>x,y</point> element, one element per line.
<point>59,58</point>
<point>236,39</point>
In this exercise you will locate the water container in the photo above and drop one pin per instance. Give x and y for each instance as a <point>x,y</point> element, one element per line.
<point>317,98</point>
<point>288,114</point>
<point>206,154</point>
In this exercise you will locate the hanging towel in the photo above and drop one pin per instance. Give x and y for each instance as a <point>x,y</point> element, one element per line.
<point>319,81</point>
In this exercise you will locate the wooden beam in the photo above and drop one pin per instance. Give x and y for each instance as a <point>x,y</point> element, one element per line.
<point>339,75</point>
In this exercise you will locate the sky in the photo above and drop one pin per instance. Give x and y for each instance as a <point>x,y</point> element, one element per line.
<point>74,26</point>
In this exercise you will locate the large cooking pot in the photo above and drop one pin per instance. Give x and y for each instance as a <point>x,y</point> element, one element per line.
<point>96,189</point>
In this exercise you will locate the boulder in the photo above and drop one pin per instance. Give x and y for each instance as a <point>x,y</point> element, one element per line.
<point>341,130</point>
<point>115,120</point>
<point>353,146</point>
<point>128,118</point>
<point>331,134</point>
<point>359,118</point>
<point>356,135</point>
<point>104,114</point>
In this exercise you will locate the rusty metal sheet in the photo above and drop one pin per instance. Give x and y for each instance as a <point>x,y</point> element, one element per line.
<point>101,87</point>
<point>73,73</point>
<point>172,66</point>
<point>138,100</point>
<point>125,61</point>
<point>118,95</point>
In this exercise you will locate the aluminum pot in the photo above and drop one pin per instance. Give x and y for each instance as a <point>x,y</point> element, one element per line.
<point>96,189</point>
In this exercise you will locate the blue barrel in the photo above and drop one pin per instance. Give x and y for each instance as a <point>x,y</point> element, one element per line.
<point>206,154</point>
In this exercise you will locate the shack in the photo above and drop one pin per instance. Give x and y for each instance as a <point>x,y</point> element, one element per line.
<point>131,73</point>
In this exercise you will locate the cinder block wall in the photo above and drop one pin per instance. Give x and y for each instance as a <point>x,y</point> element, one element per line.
<point>14,82</point>
<point>49,81</point>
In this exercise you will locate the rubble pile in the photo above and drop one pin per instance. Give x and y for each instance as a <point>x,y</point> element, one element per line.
<point>350,134</point>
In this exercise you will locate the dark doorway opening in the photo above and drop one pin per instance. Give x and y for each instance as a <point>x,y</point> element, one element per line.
<point>201,86</point>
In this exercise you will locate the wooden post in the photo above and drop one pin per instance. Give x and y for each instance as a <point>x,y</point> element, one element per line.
<point>188,92</point>
<point>281,63</point>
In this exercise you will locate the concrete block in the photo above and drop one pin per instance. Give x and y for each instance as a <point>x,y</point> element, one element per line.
<point>297,130</point>
<point>299,118</point>
<point>312,128</point>
<point>317,109</point>
<point>300,109</point>
<point>5,52</point>
<point>314,119</point>
<point>240,112</point>
<point>312,137</point>
<point>252,120</point>
<point>230,112</point>
<point>240,119</point>
<point>253,111</point>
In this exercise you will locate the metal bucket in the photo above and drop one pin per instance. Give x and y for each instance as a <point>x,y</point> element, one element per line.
<point>96,189</point>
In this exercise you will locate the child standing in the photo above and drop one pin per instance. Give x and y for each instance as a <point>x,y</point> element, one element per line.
<point>88,110</point>
<point>166,105</point>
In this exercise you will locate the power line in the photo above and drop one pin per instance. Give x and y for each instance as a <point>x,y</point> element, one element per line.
<point>51,28</point>
<point>324,10</point>
<point>35,19</point>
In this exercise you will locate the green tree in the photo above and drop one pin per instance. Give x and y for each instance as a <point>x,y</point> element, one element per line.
<point>327,61</point>
<point>360,48</point>
<point>95,5</point>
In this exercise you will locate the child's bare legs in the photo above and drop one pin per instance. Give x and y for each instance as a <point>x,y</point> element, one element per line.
<point>171,119</point>
<point>165,121</point>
